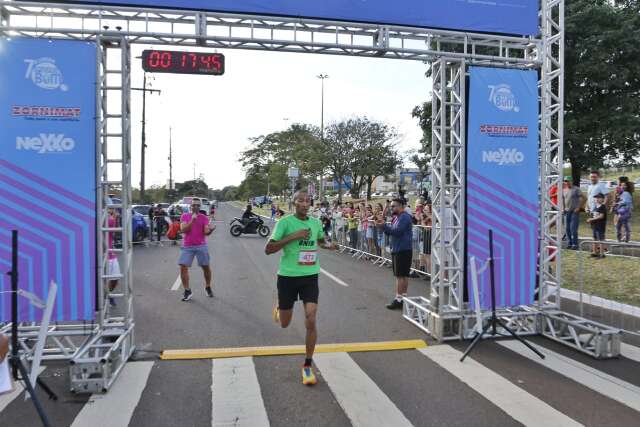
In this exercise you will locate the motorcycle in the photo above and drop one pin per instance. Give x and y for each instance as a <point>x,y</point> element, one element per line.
<point>251,226</point>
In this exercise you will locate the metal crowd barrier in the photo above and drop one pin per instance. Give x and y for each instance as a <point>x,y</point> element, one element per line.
<point>377,248</point>
<point>604,282</point>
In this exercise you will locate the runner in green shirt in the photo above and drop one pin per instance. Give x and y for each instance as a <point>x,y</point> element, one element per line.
<point>298,236</point>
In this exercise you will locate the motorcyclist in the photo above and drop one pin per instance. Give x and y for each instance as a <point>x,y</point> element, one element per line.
<point>248,216</point>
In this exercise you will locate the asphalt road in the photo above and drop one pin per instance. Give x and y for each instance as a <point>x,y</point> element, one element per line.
<point>496,387</point>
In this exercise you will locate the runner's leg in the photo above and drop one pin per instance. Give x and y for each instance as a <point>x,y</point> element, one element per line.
<point>310,310</point>
<point>285,317</point>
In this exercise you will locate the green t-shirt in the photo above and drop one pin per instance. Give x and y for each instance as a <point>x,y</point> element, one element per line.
<point>300,257</point>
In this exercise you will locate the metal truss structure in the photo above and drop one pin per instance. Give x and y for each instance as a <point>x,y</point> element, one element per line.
<point>98,351</point>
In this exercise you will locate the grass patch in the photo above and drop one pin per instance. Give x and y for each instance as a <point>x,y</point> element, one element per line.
<point>614,278</point>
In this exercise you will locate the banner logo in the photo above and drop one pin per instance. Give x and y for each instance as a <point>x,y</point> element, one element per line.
<point>503,156</point>
<point>46,112</point>
<point>501,131</point>
<point>45,74</point>
<point>46,143</point>
<point>502,98</point>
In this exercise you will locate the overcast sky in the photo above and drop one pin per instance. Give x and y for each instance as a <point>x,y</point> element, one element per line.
<point>261,92</point>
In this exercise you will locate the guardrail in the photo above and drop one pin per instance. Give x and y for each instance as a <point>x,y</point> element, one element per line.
<point>609,283</point>
<point>370,243</point>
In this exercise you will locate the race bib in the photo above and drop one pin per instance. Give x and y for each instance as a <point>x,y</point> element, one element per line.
<point>307,257</point>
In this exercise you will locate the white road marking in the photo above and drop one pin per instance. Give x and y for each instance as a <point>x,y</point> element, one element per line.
<point>334,278</point>
<point>176,284</point>
<point>516,402</point>
<point>236,396</point>
<point>115,408</point>
<point>18,388</point>
<point>630,352</point>
<point>605,384</point>
<point>360,398</point>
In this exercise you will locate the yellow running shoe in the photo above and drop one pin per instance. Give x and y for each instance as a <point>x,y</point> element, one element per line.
<point>276,314</point>
<point>308,377</point>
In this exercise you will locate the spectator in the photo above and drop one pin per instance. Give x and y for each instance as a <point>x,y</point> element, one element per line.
<point>369,230</point>
<point>598,221</point>
<point>113,266</point>
<point>173,233</point>
<point>401,250</point>
<point>572,200</point>
<point>596,187</point>
<point>352,225</point>
<point>622,209</point>
<point>425,253</point>
<point>274,210</point>
<point>378,214</point>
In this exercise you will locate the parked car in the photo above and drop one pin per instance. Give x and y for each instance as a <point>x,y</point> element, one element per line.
<point>265,200</point>
<point>142,210</point>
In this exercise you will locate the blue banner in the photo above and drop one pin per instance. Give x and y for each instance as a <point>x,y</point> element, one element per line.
<point>48,173</point>
<point>502,183</point>
<point>507,16</point>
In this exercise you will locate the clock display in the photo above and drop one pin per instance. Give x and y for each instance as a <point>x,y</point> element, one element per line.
<point>167,61</point>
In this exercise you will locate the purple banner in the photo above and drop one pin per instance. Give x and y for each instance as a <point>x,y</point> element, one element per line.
<point>48,174</point>
<point>502,184</point>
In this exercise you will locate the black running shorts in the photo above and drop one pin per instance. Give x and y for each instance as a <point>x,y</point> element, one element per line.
<point>290,289</point>
<point>401,263</point>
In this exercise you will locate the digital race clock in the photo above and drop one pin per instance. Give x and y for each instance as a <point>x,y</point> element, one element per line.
<point>167,61</point>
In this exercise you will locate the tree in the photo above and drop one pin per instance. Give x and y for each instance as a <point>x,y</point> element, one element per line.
<point>375,153</point>
<point>422,158</point>
<point>192,188</point>
<point>338,151</point>
<point>602,81</point>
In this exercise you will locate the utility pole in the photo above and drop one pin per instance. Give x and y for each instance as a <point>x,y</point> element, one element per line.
<point>170,163</point>
<point>194,171</point>
<point>322,77</point>
<point>144,134</point>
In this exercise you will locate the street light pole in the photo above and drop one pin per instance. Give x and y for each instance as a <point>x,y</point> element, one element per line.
<point>144,133</point>
<point>322,77</point>
<point>170,163</point>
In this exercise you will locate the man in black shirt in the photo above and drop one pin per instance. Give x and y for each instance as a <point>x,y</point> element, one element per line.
<point>598,223</point>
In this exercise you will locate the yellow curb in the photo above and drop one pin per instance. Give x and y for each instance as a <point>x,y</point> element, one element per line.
<point>220,353</point>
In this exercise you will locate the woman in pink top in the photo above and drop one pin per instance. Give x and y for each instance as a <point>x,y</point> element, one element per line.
<point>113,266</point>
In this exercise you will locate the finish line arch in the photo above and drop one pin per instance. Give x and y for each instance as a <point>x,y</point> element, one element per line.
<point>444,314</point>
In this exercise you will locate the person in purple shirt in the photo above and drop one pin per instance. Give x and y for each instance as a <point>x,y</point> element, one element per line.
<point>195,227</point>
<point>400,231</point>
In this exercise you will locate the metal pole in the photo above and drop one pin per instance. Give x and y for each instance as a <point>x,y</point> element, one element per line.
<point>322,77</point>
<point>170,163</point>
<point>144,136</point>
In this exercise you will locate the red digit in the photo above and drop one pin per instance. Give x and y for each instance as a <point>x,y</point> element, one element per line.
<point>194,60</point>
<point>184,60</point>
<point>216,62</point>
<point>154,59</point>
<point>206,60</point>
<point>165,60</point>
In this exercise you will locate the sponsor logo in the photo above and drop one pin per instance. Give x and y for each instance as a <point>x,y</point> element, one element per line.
<point>46,143</point>
<point>505,131</point>
<point>503,156</point>
<point>502,98</point>
<point>45,74</point>
<point>45,112</point>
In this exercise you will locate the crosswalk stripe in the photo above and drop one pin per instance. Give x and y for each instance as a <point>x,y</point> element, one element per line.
<point>608,385</point>
<point>360,398</point>
<point>115,408</point>
<point>236,394</point>
<point>630,352</point>
<point>176,284</point>
<point>516,402</point>
<point>18,388</point>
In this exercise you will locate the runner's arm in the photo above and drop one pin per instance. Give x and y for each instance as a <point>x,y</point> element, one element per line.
<point>274,246</point>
